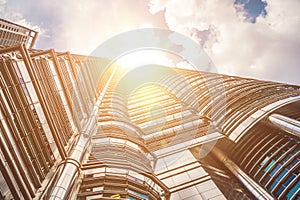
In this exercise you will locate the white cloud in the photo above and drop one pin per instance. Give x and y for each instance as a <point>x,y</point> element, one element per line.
<point>272,44</point>
<point>85,24</point>
<point>3,2</point>
<point>80,26</point>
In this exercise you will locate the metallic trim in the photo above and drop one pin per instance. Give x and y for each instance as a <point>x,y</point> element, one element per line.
<point>248,182</point>
<point>287,124</point>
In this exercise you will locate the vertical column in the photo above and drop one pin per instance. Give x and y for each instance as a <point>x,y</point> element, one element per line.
<point>72,164</point>
<point>248,182</point>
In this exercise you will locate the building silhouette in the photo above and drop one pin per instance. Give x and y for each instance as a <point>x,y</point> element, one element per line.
<point>154,133</point>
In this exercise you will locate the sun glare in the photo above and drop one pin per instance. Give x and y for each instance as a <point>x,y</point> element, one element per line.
<point>144,57</point>
<point>146,25</point>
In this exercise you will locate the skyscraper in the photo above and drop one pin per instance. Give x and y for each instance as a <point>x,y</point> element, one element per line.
<point>13,34</point>
<point>73,129</point>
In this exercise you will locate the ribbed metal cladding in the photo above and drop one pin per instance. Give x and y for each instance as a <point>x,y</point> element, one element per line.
<point>13,34</point>
<point>72,127</point>
<point>181,106</point>
<point>119,164</point>
<point>271,157</point>
<point>228,101</point>
<point>43,109</point>
<point>163,119</point>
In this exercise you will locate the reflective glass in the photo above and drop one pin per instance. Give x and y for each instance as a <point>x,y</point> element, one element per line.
<point>278,179</point>
<point>275,170</point>
<point>293,190</point>
<point>269,165</point>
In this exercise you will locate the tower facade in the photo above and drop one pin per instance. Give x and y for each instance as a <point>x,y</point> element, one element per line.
<point>72,128</point>
<point>12,34</point>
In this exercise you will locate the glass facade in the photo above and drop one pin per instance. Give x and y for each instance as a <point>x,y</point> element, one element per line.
<point>271,158</point>
<point>80,127</point>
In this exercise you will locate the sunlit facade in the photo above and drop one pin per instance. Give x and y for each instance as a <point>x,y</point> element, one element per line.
<point>73,128</point>
<point>13,34</point>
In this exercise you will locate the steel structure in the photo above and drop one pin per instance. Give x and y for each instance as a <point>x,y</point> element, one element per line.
<point>12,34</point>
<point>72,128</point>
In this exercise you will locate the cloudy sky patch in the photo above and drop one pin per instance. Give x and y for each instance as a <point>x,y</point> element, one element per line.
<point>251,38</point>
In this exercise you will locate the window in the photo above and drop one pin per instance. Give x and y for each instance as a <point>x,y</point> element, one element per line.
<point>285,184</point>
<point>278,179</point>
<point>293,190</point>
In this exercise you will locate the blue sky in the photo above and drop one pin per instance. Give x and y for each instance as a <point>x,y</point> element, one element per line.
<point>253,8</point>
<point>252,38</point>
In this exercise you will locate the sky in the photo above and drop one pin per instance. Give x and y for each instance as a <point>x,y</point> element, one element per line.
<point>250,38</point>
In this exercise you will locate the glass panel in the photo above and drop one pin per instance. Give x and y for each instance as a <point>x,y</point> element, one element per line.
<point>94,197</point>
<point>275,170</point>
<point>138,194</point>
<point>278,179</point>
<point>269,165</point>
<point>32,92</point>
<point>280,190</point>
<point>283,186</point>
<point>96,189</point>
<point>290,179</point>
<point>293,163</point>
<point>264,161</point>
<point>293,190</point>
<point>24,72</point>
<point>282,174</point>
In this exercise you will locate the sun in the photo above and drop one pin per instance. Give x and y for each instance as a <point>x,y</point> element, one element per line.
<point>144,57</point>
